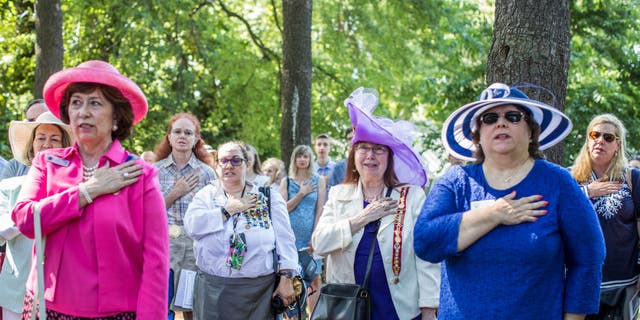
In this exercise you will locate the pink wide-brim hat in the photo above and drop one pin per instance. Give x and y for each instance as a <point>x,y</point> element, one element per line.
<point>94,71</point>
<point>398,135</point>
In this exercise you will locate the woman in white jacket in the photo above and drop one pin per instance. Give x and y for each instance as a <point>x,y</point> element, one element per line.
<point>380,197</point>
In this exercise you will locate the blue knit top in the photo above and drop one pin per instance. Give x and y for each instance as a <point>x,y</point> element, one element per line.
<point>518,271</point>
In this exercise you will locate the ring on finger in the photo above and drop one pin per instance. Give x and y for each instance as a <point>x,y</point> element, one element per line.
<point>125,174</point>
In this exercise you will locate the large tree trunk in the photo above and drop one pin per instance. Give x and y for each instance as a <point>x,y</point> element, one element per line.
<point>49,46</point>
<point>530,45</point>
<point>296,76</point>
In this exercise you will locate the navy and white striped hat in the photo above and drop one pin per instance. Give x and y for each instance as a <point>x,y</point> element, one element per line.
<point>457,129</point>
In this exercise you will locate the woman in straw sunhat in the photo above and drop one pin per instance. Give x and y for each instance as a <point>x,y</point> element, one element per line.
<point>27,138</point>
<point>101,208</point>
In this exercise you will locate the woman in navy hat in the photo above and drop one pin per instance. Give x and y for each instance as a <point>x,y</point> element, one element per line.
<point>518,238</point>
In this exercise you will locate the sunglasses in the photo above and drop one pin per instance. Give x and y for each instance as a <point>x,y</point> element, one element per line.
<point>492,117</point>
<point>608,137</point>
<point>236,162</point>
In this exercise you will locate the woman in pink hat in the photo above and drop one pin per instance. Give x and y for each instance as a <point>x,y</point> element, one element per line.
<point>366,228</point>
<point>102,212</point>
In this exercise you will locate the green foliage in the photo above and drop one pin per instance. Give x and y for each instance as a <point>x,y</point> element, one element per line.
<point>605,69</point>
<point>221,61</point>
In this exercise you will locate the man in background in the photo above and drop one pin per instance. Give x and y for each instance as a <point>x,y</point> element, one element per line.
<point>322,148</point>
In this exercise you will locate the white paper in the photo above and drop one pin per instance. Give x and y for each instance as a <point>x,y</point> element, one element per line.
<point>184,294</point>
<point>8,229</point>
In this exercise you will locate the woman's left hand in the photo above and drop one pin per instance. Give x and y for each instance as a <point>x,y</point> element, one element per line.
<point>112,179</point>
<point>285,291</point>
<point>428,313</point>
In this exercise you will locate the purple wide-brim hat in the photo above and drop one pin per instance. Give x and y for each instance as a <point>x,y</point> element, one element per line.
<point>94,71</point>
<point>397,135</point>
<point>458,128</point>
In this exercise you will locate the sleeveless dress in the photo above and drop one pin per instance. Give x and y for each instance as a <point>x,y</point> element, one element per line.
<point>304,215</point>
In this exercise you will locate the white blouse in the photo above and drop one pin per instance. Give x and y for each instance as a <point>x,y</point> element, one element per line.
<point>203,222</point>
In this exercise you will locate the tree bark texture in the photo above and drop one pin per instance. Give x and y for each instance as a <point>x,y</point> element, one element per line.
<point>296,76</point>
<point>531,45</point>
<point>49,45</point>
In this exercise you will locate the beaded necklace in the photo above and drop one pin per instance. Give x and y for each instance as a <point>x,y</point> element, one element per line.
<point>88,172</point>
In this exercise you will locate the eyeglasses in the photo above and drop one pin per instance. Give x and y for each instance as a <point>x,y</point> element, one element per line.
<point>608,137</point>
<point>492,117</point>
<point>377,149</point>
<point>236,162</point>
<point>178,132</point>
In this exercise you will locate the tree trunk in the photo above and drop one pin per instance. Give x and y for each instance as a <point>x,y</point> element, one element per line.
<point>49,46</point>
<point>530,45</point>
<point>296,76</point>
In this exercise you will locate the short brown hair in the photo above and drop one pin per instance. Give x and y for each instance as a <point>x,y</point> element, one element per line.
<point>534,129</point>
<point>122,112</point>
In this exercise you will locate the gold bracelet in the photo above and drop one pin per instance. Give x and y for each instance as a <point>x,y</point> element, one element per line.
<point>85,193</point>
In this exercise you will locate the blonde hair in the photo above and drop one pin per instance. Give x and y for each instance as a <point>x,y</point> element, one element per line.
<point>300,150</point>
<point>582,169</point>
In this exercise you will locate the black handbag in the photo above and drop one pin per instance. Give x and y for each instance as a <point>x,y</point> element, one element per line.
<point>346,301</point>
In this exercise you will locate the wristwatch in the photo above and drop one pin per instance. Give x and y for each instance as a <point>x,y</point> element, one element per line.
<point>225,213</point>
<point>286,274</point>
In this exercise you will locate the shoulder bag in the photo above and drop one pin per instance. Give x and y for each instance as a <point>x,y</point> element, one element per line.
<point>345,300</point>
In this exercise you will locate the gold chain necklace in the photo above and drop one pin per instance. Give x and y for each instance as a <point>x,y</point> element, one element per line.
<point>515,174</point>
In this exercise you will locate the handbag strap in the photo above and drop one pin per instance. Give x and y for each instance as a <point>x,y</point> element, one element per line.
<point>398,223</point>
<point>365,283</point>
<point>39,242</point>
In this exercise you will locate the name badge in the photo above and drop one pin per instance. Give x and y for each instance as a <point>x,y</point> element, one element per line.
<point>481,204</point>
<point>56,160</point>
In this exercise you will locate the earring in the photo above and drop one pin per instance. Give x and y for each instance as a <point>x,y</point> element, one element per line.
<point>115,125</point>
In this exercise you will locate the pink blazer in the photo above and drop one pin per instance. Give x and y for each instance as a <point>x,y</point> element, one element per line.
<point>109,257</point>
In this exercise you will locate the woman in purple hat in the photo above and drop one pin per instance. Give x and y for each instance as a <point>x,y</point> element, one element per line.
<point>518,238</point>
<point>101,209</point>
<point>373,212</point>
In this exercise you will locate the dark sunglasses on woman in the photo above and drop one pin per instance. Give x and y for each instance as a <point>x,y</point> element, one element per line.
<point>608,137</point>
<point>492,117</point>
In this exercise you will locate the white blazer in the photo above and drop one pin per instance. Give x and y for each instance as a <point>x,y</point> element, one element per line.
<point>419,284</point>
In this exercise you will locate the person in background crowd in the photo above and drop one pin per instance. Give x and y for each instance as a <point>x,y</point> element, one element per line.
<point>601,169</point>
<point>274,169</point>
<point>15,168</point>
<point>518,238</point>
<point>149,157</point>
<point>254,174</point>
<point>324,164</point>
<point>635,162</point>
<point>26,139</point>
<point>102,212</point>
<point>304,190</point>
<point>183,170</point>
<point>338,173</point>
<point>377,204</point>
<point>238,233</point>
